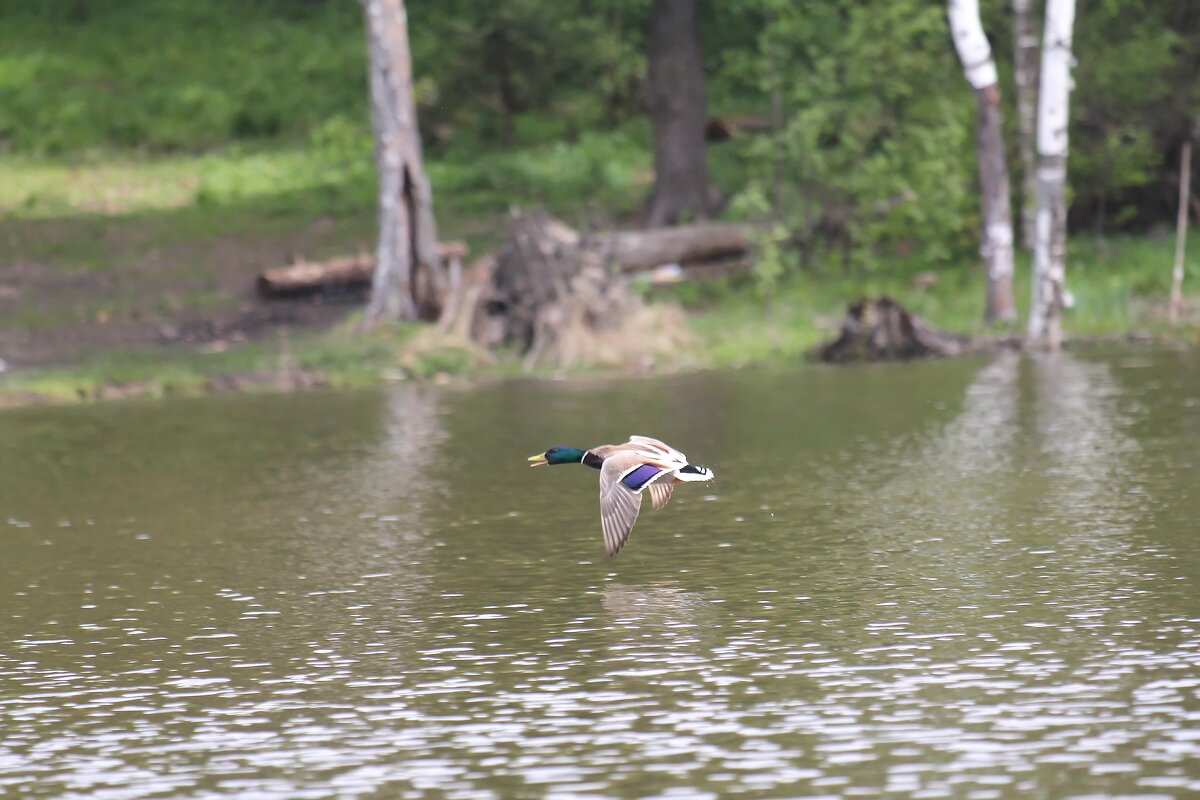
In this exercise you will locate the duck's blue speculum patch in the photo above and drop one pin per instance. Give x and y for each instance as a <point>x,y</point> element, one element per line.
<point>640,476</point>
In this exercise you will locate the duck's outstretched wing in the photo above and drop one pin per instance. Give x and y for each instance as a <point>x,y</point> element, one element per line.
<point>619,505</point>
<point>661,449</point>
<point>660,493</point>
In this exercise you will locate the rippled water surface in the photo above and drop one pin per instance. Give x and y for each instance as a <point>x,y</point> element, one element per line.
<point>968,579</point>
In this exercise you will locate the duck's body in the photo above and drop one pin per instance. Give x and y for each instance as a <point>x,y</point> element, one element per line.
<point>626,471</point>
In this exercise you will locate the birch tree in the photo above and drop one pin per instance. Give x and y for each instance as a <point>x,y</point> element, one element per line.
<point>1050,228</point>
<point>1175,304</point>
<point>1025,76</point>
<point>997,233</point>
<point>407,280</point>
<point>678,113</point>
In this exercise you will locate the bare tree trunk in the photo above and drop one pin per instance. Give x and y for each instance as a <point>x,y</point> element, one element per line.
<point>1050,243</point>
<point>1185,181</point>
<point>1025,75</point>
<point>678,113</point>
<point>997,236</point>
<point>407,283</point>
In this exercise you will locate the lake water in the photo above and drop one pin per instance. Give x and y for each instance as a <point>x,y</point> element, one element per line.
<point>969,579</point>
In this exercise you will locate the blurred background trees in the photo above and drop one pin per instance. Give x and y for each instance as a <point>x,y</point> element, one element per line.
<point>678,113</point>
<point>996,229</point>
<point>407,278</point>
<point>865,156</point>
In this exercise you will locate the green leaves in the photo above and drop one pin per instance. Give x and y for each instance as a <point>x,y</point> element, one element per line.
<point>873,158</point>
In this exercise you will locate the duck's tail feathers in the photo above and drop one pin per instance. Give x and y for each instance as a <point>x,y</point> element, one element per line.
<point>694,472</point>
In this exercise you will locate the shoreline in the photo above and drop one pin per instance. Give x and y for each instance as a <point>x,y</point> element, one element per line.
<point>411,361</point>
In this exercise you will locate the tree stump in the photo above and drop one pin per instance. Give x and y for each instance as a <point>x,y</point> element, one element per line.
<point>553,288</point>
<point>882,329</point>
<point>561,298</point>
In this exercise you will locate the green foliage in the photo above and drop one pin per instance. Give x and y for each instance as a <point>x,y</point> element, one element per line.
<point>171,75</point>
<point>870,157</point>
<point>1136,99</point>
<point>527,71</point>
<point>867,161</point>
<point>601,171</point>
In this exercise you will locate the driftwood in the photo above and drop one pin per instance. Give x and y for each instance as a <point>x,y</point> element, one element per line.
<point>346,274</point>
<point>880,329</point>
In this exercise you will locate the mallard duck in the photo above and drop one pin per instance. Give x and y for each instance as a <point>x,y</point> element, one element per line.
<point>627,470</point>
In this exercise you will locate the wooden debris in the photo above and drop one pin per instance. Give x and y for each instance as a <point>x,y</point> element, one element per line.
<point>352,273</point>
<point>561,297</point>
<point>551,285</point>
<point>635,251</point>
<point>882,329</point>
<point>345,274</point>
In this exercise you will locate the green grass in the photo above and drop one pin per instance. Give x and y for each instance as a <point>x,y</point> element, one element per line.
<point>1120,285</point>
<point>178,197</point>
<point>40,188</point>
<point>172,75</point>
<point>342,358</point>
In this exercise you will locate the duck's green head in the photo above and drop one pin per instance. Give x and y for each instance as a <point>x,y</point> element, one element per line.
<point>558,455</point>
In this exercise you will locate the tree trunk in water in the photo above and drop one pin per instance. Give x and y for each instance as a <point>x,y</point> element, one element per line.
<point>1185,183</point>
<point>1025,75</point>
<point>678,113</point>
<point>408,281</point>
<point>1050,241</point>
<point>997,236</point>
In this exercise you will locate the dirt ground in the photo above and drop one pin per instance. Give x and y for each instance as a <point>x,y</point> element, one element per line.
<point>70,289</point>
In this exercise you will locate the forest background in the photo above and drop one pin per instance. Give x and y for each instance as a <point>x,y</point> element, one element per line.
<point>157,154</point>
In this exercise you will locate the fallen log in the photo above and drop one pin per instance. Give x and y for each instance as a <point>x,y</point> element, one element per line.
<point>882,329</point>
<point>351,273</point>
<point>627,251</point>
<point>344,274</point>
<point>637,251</point>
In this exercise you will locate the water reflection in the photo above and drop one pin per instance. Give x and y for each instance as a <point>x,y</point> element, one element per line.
<point>1092,461</point>
<point>981,588</point>
<point>957,480</point>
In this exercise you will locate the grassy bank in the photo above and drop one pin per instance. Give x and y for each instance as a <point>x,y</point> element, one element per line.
<point>106,252</point>
<point>1119,285</point>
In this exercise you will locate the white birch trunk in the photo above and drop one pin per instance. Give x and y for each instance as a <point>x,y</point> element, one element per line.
<point>996,243</point>
<point>407,283</point>
<point>1175,304</point>
<point>1050,240</point>
<point>1025,76</point>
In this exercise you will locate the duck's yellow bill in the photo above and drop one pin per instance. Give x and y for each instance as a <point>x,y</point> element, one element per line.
<point>538,461</point>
